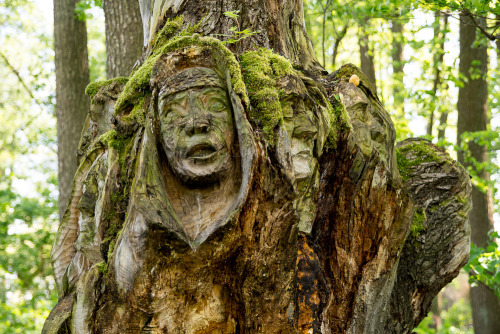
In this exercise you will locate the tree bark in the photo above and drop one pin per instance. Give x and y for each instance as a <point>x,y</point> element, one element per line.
<point>367,58</point>
<point>72,76</point>
<point>207,202</point>
<point>123,32</point>
<point>472,116</point>
<point>281,24</point>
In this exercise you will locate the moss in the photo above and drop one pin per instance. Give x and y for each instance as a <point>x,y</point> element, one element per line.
<point>461,199</point>
<point>111,247</point>
<point>339,120</point>
<point>138,87</point>
<point>418,224</point>
<point>168,30</point>
<point>94,87</point>
<point>420,152</point>
<point>102,267</point>
<point>261,71</point>
<point>346,71</point>
<point>137,115</point>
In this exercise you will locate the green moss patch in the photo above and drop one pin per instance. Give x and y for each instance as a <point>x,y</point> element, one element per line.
<point>421,152</point>
<point>339,120</point>
<point>418,224</point>
<point>261,71</point>
<point>138,87</point>
<point>94,87</point>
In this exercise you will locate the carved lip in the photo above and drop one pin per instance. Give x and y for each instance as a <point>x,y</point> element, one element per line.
<point>202,151</point>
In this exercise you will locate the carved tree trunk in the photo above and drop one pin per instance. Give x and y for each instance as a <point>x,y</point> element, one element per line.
<point>241,190</point>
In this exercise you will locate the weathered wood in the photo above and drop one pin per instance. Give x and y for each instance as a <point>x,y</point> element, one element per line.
<point>439,242</point>
<point>224,194</point>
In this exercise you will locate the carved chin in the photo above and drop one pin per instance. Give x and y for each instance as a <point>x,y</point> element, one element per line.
<point>202,165</point>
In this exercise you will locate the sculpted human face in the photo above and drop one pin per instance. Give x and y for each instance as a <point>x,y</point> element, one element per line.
<point>303,138</point>
<point>197,133</point>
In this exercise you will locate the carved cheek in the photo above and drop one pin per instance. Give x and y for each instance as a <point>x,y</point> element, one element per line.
<point>227,127</point>
<point>170,133</point>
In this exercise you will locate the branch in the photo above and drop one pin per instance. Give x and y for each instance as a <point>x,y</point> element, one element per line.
<point>23,83</point>
<point>16,72</point>
<point>468,13</point>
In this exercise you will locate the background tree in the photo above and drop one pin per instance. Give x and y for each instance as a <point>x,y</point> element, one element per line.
<point>123,32</point>
<point>72,76</point>
<point>473,117</point>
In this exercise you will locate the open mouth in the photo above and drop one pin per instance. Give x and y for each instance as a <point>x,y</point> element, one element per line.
<point>202,151</point>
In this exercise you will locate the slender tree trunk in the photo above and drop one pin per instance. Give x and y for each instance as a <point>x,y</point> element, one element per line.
<point>437,61</point>
<point>323,33</point>
<point>123,32</point>
<point>497,42</point>
<point>472,116</point>
<point>340,35</point>
<point>72,76</point>
<point>443,118</point>
<point>366,54</point>
<point>397,29</point>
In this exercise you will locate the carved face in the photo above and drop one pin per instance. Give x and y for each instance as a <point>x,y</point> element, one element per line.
<point>197,133</point>
<point>305,132</point>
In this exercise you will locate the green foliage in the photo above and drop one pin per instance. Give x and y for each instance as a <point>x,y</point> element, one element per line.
<point>490,140</point>
<point>455,320</point>
<point>484,265</point>
<point>83,6</point>
<point>237,33</point>
<point>28,169</point>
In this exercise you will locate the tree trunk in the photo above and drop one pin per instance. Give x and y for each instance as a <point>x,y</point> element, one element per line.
<point>472,116</point>
<point>338,40</point>
<point>72,76</point>
<point>231,192</point>
<point>443,118</point>
<point>398,66</point>
<point>366,54</point>
<point>437,61</point>
<point>123,32</point>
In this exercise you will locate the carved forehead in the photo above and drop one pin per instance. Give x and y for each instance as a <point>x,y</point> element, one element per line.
<point>198,77</point>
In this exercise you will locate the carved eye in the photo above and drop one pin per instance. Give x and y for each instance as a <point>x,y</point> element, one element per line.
<point>216,105</point>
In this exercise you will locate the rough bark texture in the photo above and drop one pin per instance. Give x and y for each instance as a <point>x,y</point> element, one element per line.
<point>217,205</point>
<point>72,76</point>
<point>281,24</point>
<point>439,189</point>
<point>472,116</point>
<point>123,32</point>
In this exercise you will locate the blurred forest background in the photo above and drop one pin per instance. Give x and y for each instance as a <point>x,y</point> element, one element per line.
<point>410,49</point>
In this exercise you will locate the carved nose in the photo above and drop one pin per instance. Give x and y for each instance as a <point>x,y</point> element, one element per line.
<point>198,126</point>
